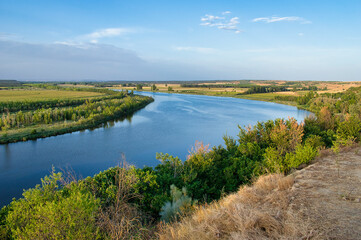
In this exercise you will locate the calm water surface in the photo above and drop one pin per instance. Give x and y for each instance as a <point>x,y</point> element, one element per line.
<point>171,124</point>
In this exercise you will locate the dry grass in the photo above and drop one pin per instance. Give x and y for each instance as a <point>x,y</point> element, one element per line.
<point>122,220</point>
<point>36,95</point>
<point>337,86</point>
<point>260,211</point>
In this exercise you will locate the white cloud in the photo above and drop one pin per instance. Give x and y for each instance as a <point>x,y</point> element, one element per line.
<point>281,19</point>
<point>223,23</point>
<point>108,32</point>
<point>196,49</point>
<point>210,18</point>
<point>95,37</point>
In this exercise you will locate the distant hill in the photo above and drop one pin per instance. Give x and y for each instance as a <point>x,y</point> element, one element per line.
<point>10,83</point>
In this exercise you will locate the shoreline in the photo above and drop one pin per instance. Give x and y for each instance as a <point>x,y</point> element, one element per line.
<point>60,129</point>
<point>301,107</point>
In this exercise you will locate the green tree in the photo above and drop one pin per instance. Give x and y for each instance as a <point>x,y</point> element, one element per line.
<point>154,87</point>
<point>139,86</point>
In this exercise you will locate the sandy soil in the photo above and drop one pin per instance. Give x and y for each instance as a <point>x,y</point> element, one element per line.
<point>328,194</point>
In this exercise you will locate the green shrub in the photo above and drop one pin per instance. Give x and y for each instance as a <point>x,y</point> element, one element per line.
<point>350,128</point>
<point>274,161</point>
<point>181,204</point>
<point>52,212</point>
<point>302,155</point>
<point>315,141</point>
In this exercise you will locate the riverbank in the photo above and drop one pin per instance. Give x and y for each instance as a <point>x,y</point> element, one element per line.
<point>91,115</point>
<point>264,97</point>
<point>282,92</point>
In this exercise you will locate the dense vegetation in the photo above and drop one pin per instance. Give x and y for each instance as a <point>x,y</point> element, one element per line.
<point>265,89</point>
<point>126,202</point>
<point>52,117</point>
<point>239,85</point>
<point>9,83</point>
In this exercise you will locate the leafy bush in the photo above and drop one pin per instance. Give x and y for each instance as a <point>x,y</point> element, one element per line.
<point>315,141</point>
<point>51,212</point>
<point>181,204</point>
<point>350,128</point>
<point>303,154</point>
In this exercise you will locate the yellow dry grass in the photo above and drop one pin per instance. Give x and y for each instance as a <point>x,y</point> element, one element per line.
<point>77,85</point>
<point>337,87</point>
<point>260,211</point>
<point>289,93</point>
<point>35,95</point>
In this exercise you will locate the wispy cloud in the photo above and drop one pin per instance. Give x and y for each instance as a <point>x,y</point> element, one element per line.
<point>75,44</point>
<point>281,19</point>
<point>83,41</point>
<point>8,36</point>
<point>226,12</point>
<point>107,32</point>
<point>224,22</point>
<point>29,61</point>
<point>196,49</point>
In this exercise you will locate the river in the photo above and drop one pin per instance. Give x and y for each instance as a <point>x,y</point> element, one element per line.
<point>171,124</point>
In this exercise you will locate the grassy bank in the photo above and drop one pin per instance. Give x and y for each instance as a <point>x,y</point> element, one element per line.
<point>239,89</point>
<point>62,111</point>
<point>46,130</point>
<point>43,94</point>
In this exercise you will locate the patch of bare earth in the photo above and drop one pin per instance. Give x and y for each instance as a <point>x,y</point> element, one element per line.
<point>321,201</point>
<point>328,194</point>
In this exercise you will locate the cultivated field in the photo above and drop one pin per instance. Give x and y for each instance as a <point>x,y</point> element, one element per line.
<point>39,111</point>
<point>238,88</point>
<point>43,94</point>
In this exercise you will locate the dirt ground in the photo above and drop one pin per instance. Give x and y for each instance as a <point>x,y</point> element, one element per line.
<point>328,194</point>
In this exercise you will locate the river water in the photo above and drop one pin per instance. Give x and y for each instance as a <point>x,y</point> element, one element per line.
<point>171,124</point>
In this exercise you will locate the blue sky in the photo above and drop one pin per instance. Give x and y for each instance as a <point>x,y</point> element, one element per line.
<point>180,40</point>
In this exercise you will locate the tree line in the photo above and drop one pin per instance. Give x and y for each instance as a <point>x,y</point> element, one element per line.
<point>238,85</point>
<point>34,119</point>
<point>88,110</point>
<point>265,89</point>
<point>13,106</point>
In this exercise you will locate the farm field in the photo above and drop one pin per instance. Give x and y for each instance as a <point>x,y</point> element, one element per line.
<point>233,89</point>
<point>39,111</point>
<point>43,94</point>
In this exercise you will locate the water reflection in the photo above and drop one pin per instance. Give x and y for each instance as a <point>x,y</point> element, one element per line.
<point>7,158</point>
